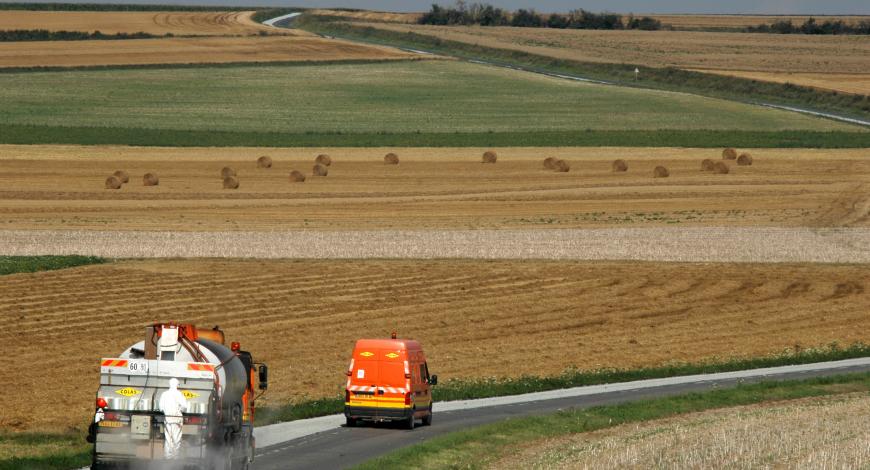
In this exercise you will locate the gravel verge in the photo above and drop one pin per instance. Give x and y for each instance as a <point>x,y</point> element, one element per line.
<point>702,244</point>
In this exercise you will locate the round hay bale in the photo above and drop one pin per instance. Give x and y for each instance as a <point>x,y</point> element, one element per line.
<point>122,176</point>
<point>729,154</point>
<point>231,182</point>
<point>562,166</point>
<point>319,170</point>
<point>489,156</point>
<point>150,179</point>
<point>661,172</point>
<point>720,168</point>
<point>620,165</point>
<point>744,159</point>
<point>226,172</point>
<point>707,165</point>
<point>391,159</point>
<point>264,162</point>
<point>296,176</point>
<point>323,159</point>
<point>550,163</point>
<point>113,182</point>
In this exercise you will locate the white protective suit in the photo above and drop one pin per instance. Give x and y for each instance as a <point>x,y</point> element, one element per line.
<point>172,404</point>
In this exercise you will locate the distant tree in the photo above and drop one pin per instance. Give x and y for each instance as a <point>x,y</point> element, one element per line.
<point>526,19</point>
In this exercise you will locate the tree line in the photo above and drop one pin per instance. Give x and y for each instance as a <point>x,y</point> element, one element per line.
<point>811,26</point>
<point>483,14</point>
<point>46,35</point>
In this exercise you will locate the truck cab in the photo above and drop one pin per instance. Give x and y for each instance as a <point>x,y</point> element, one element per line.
<point>388,380</point>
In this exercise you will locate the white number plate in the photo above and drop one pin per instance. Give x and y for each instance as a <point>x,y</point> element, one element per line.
<point>138,367</point>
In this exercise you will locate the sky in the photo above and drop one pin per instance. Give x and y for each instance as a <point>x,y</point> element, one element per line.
<point>799,7</point>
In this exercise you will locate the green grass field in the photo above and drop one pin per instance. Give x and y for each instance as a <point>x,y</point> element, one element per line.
<point>32,264</point>
<point>408,97</point>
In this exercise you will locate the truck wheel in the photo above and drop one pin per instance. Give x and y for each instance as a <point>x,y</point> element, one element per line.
<point>427,420</point>
<point>411,422</point>
<point>350,422</point>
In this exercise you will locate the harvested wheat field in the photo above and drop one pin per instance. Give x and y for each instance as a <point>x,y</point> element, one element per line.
<point>522,317</point>
<point>810,433</point>
<point>62,187</point>
<point>690,22</point>
<point>157,23</point>
<point>368,15</point>
<point>857,83</point>
<point>189,50</point>
<point>769,53</point>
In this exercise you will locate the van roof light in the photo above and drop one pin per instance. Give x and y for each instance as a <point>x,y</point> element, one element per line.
<point>393,336</point>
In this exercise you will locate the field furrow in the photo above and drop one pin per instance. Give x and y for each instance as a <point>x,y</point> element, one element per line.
<point>476,318</point>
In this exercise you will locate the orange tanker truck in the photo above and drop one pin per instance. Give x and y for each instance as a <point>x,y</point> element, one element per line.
<point>388,380</point>
<point>180,397</point>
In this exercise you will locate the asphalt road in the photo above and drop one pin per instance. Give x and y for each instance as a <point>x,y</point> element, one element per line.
<point>346,447</point>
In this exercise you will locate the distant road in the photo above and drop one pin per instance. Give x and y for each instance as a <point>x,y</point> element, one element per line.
<point>686,244</point>
<point>324,443</point>
<point>272,21</point>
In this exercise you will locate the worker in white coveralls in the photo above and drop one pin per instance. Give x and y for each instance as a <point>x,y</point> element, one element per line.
<point>172,404</point>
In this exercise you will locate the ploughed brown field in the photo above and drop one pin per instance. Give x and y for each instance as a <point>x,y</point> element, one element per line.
<point>189,50</point>
<point>834,62</point>
<point>62,187</point>
<point>475,318</point>
<point>157,23</point>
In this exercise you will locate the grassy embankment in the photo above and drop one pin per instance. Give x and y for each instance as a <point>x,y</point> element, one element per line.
<point>416,103</point>
<point>481,446</point>
<point>669,78</point>
<point>32,264</point>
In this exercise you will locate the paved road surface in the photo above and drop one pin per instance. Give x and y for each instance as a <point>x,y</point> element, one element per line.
<point>340,447</point>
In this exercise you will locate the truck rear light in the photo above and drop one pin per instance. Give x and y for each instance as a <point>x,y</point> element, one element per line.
<point>407,398</point>
<point>101,403</point>
<point>194,420</point>
<point>347,396</point>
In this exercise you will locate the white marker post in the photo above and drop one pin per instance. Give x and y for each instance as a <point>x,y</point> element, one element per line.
<point>636,72</point>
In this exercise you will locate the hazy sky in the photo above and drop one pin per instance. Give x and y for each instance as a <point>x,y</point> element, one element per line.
<point>830,7</point>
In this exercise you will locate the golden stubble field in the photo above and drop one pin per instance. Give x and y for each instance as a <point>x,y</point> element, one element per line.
<point>220,37</point>
<point>827,432</point>
<point>157,23</point>
<point>833,62</point>
<point>475,318</point>
<point>199,50</point>
<point>62,187</point>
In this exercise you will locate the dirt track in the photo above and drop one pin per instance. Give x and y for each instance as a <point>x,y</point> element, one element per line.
<point>712,244</point>
<point>475,318</point>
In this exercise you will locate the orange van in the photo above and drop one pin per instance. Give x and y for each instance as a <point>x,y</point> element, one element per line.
<point>388,380</point>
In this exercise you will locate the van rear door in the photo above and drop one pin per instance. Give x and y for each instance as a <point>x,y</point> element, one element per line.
<point>363,382</point>
<point>392,385</point>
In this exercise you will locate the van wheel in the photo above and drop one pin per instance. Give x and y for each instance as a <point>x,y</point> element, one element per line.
<point>411,422</point>
<point>427,420</point>
<point>350,422</point>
